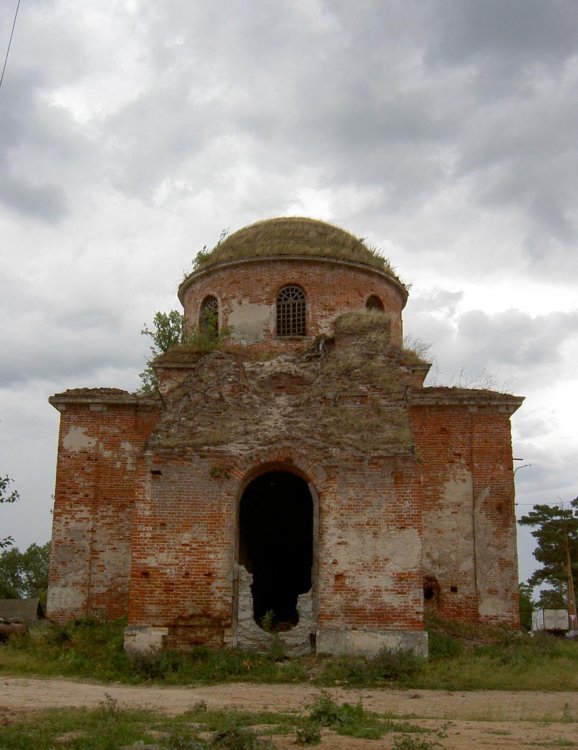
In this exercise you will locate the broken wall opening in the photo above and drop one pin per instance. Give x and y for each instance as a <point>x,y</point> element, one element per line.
<point>431,592</point>
<point>276,546</point>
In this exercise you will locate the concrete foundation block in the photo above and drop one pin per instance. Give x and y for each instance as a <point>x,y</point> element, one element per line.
<point>370,642</point>
<point>142,639</point>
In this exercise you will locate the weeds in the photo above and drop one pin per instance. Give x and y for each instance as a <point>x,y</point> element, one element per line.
<point>357,671</point>
<point>96,650</point>
<point>444,646</point>
<point>345,719</point>
<point>180,739</point>
<point>421,743</point>
<point>198,729</point>
<point>111,726</point>
<point>404,742</point>
<point>461,657</point>
<point>308,733</point>
<point>109,707</point>
<point>240,738</point>
<point>395,665</point>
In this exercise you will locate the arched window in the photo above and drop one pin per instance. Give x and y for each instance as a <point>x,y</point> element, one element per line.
<point>209,316</point>
<point>291,312</point>
<point>374,303</point>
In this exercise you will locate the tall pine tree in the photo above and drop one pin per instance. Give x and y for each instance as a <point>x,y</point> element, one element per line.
<point>555,529</point>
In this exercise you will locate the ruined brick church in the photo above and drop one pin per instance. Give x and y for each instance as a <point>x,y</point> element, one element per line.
<point>292,473</point>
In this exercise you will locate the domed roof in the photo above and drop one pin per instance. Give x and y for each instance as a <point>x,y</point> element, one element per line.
<point>292,236</point>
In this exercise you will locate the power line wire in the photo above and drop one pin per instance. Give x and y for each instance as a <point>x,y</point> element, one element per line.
<point>9,43</point>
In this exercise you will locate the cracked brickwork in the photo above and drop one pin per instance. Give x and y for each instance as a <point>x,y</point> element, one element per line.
<point>412,487</point>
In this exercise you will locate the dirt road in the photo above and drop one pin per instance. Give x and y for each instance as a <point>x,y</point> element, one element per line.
<point>478,719</point>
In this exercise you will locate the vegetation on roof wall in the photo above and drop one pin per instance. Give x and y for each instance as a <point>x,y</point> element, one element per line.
<point>173,341</point>
<point>292,236</point>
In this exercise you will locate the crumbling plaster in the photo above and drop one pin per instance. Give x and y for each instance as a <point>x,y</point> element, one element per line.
<point>247,321</point>
<point>411,485</point>
<point>298,641</point>
<point>76,439</point>
<point>449,553</point>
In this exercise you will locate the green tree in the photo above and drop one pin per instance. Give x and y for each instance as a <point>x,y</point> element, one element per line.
<point>553,598</point>
<point>168,331</point>
<point>526,605</point>
<point>555,529</point>
<point>24,575</point>
<point>7,496</point>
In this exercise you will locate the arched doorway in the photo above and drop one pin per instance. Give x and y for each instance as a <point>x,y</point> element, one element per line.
<point>276,545</point>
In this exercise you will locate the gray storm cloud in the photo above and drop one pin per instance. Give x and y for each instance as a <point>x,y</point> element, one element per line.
<point>134,132</point>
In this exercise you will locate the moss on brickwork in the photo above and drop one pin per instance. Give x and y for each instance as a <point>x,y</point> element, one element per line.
<point>362,323</point>
<point>349,398</point>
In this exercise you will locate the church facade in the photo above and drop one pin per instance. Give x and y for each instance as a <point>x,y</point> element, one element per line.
<point>292,474</point>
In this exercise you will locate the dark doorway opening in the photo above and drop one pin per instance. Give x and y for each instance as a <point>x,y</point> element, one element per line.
<point>276,545</point>
<point>431,591</point>
<point>374,303</point>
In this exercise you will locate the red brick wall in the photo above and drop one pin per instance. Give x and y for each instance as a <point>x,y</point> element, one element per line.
<point>98,456</point>
<point>183,551</point>
<point>496,557</point>
<point>179,526</point>
<point>332,288</point>
<point>468,503</point>
<point>153,530</point>
<point>184,545</point>
<point>370,548</point>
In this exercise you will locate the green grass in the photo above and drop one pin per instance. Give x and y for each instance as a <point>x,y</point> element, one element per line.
<point>461,658</point>
<point>516,662</point>
<point>353,720</point>
<point>111,726</point>
<point>90,649</point>
<point>292,236</point>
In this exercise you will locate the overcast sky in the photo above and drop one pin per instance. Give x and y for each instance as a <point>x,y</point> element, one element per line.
<point>133,132</point>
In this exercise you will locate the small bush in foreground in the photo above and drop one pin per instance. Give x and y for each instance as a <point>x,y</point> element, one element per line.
<point>308,733</point>
<point>420,743</point>
<point>346,719</point>
<point>240,738</point>
<point>185,740</point>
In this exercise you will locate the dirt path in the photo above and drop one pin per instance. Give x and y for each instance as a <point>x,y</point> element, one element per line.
<point>479,719</point>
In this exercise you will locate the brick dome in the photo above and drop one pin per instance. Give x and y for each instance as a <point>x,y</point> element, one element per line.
<point>293,236</point>
<point>241,282</point>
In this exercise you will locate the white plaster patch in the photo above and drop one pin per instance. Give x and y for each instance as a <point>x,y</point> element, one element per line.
<point>129,452</point>
<point>142,639</point>
<point>296,641</point>
<point>63,598</point>
<point>76,439</point>
<point>249,320</point>
<point>370,642</point>
<point>450,533</point>
<point>403,548</point>
<point>491,606</point>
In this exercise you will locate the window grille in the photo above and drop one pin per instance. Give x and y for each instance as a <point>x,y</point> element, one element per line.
<point>209,317</point>
<point>291,311</point>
